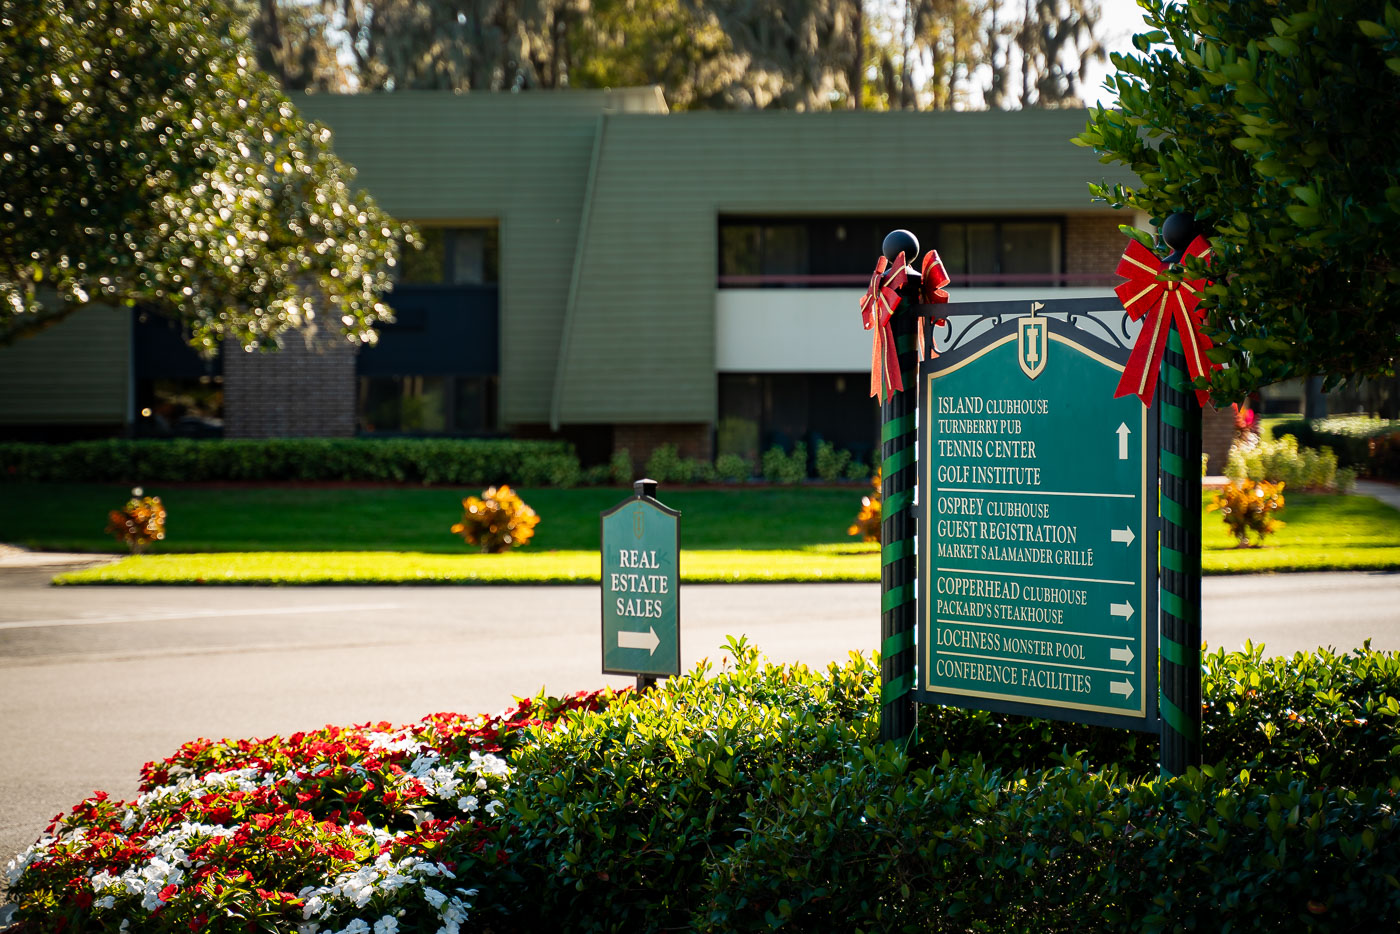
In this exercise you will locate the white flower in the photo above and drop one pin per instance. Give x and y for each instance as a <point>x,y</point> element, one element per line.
<point>106,901</point>
<point>387,925</point>
<point>434,897</point>
<point>495,807</point>
<point>358,926</point>
<point>467,804</point>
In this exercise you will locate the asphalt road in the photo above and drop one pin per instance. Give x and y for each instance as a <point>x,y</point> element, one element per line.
<point>95,681</point>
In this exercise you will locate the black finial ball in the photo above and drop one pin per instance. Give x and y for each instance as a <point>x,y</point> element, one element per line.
<point>900,241</point>
<point>1178,230</point>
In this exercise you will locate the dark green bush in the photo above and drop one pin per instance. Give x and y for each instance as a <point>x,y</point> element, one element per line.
<point>620,816</point>
<point>404,460</point>
<point>1349,436</point>
<point>760,798</point>
<point>877,845</point>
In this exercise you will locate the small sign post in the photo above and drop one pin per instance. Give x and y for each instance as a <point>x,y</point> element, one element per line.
<point>1037,521</point>
<point>641,587</point>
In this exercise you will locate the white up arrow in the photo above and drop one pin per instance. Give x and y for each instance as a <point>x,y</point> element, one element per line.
<point>638,640</point>
<point>1124,610</point>
<point>1121,687</point>
<point>1125,536</point>
<point>1124,654</point>
<point>1123,432</point>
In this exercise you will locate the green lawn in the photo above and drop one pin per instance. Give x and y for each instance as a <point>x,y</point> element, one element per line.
<point>71,517</point>
<point>393,534</point>
<point>1323,533</point>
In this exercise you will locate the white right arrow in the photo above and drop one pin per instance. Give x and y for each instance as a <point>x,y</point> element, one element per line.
<point>1125,536</point>
<point>1123,432</point>
<point>648,640</point>
<point>1121,687</point>
<point>1124,610</point>
<point>1124,654</point>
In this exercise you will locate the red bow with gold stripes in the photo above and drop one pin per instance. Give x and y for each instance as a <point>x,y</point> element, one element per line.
<point>876,308</point>
<point>933,279</point>
<point>1160,302</point>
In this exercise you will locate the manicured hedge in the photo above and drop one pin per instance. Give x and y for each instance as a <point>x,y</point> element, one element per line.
<point>756,797</point>
<point>1359,441</point>
<point>405,460</point>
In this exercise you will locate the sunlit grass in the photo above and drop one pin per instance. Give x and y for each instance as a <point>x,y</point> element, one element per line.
<point>1322,533</point>
<point>833,563</point>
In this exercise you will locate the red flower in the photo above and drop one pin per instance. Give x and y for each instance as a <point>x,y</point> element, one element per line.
<point>167,893</point>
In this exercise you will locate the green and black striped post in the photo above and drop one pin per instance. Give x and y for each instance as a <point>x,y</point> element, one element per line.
<point>1180,698</point>
<point>898,565</point>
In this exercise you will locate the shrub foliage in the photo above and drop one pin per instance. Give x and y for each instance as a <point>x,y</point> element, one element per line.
<point>1283,461</point>
<point>757,797</point>
<point>417,460</point>
<point>497,521</point>
<point>867,524</point>
<point>139,523</point>
<point>1249,506</point>
<point>1368,444</point>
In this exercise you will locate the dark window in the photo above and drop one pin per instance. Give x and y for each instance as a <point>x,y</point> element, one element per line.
<point>765,250</point>
<point>189,407</point>
<point>760,410</point>
<point>452,256</point>
<point>838,252</point>
<point>427,405</point>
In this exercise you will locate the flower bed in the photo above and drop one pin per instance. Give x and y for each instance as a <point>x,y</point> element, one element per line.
<point>349,830</point>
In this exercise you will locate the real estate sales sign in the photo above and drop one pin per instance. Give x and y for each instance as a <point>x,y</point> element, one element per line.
<point>640,583</point>
<point>1037,524</point>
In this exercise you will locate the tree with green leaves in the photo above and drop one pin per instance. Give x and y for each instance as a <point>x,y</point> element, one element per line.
<point>966,54</point>
<point>1274,123</point>
<point>146,160</point>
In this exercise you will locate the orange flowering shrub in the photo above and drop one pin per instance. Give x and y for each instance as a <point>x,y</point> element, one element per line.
<point>867,524</point>
<point>1249,506</point>
<point>497,521</point>
<point>138,523</point>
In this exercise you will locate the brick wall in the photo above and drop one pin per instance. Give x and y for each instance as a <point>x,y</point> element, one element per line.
<point>1093,244</point>
<point>1217,431</point>
<point>692,439</point>
<point>305,390</point>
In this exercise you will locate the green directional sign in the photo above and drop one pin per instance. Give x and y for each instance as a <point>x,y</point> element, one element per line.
<point>1037,522</point>
<point>641,595</point>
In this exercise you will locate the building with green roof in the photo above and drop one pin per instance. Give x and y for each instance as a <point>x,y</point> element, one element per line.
<point>606,271</point>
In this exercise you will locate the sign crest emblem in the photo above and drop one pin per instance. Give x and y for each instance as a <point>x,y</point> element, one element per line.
<point>1032,341</point>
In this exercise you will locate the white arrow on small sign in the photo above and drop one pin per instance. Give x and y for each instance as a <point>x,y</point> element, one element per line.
<point>1124,609</point>
<point>1123,432</point>
<point>1121,687</point>
<point>1124,654</point>
<point>639,640</point>
<point>1125,536</point>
